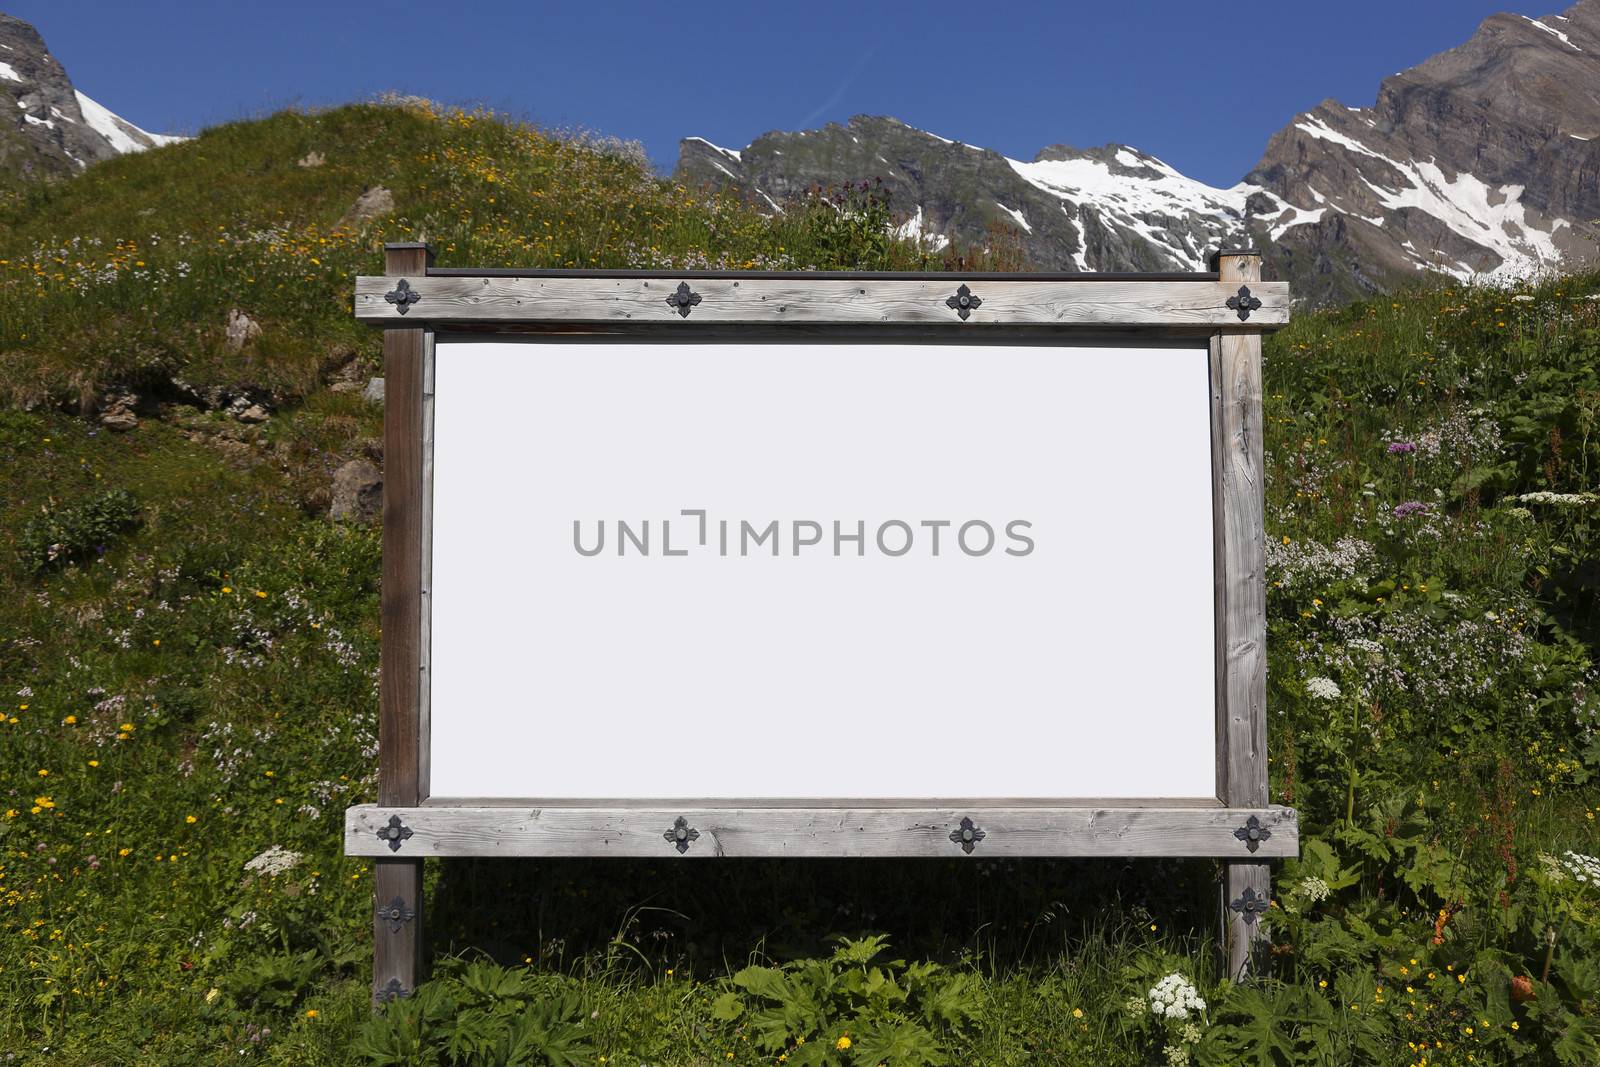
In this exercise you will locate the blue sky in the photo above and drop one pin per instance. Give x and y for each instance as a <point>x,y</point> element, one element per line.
<point>1200,84</point>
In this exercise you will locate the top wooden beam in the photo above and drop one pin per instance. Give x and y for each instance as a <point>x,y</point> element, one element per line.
<point>816,300</point>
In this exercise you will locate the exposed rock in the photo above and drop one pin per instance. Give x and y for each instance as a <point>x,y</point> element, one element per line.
<point>1482,162</point>
<point>240,330</point>
<point>374,203</point>
<point>357,492</point>
<point>253,413</point>
<point>373,393</point>
<point>312,159</point>
<point>53,129</point>
<point>117,411</point>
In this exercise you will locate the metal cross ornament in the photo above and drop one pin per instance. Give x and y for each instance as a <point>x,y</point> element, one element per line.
<point>402,296</point>
<point>963,303</point>
<point>1252,833</point>
<point>394,990</point>
<point>394,833</point>
<point>681,834</point>
<point>1250,905</point>
<point>1243,302</point>
<point>684,299</point>
<point>395,913</point>
<point>967,834</point>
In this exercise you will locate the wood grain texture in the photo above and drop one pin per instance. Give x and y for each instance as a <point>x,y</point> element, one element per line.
<point>1240,501</point>
<point>397,955</point>
<point>1245,943</point>
<point>1241,610</point>
<point>397,948</point>
<point>772,832</point>
<point>398,767</point>
<point>823,300</point>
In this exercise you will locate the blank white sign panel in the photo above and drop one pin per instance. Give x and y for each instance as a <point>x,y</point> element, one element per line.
<point>610,620</point>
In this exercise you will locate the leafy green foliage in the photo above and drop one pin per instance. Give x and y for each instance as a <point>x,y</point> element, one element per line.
<point>852,1007</point>
<point>480,1014</point>
<point>75,532</point>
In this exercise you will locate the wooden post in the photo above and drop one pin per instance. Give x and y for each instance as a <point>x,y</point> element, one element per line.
<point>397,959</point>
<point>1241,613</point>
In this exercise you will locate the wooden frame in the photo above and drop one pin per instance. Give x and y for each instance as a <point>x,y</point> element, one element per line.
<point>1230,306</point>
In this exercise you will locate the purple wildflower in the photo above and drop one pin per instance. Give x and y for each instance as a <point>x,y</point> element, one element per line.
<point>1402,448</point>
<point>1409,508</point>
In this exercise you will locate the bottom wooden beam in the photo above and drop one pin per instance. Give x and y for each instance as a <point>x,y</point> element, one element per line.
<point>397,960</point>
<point>508,830</point>
<point>1246,896</point>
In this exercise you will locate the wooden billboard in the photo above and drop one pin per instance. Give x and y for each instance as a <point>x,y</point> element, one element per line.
<point>811,564</point>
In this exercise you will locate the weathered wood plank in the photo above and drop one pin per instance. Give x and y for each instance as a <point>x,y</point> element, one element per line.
<point>823,300</point>
<point>1239,492</point>
<point>773,832</point>
<point>1242,615</point>
<point>1246,894</point>
<point>397,953</point>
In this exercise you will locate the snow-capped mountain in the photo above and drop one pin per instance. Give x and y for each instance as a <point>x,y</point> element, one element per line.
<point>1482,162</point>
<point>52,128</point>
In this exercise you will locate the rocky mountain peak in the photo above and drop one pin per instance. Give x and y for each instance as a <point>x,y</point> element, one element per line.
<point>46,126</point>
<point>1480,162</point>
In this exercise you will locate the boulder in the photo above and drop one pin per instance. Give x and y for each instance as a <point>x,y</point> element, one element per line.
<point>357,492</point>
<point>117,412</point>
<point>312,159</point>
<point>374,203</point>
<point>240,330</point>
<point>373,393</point>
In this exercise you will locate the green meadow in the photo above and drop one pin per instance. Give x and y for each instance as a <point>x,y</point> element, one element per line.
<point>189,657</point>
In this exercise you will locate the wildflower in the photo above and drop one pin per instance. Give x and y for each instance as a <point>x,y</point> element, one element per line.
<point>843,1042</point>
<point>212,994</point>
<point>190,819</point>
<point>124,851</point>
<point>1409,508</point>
<point>260,594</point>
<point>1401,448</point>
<point>1175,997</point>
<point>43,773</point>
<point>1323,688</point>
<point>311,1013</point>
<point>227,589</point>
<point>70,720</point>
<point>1584,868</point>
<point>1077,1013</point>
<point>94,763</point>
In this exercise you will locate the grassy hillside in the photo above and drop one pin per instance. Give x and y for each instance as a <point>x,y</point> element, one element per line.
<point>188,657</point>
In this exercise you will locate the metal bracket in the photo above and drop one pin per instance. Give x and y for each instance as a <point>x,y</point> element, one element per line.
<point>1243,302</point>
<point>402,296</point>
<point>1250,906</point>
<point>394,990</point>
<point>967,834</point>
<point>396,914</point>
<point>964,302</point>
<point>1252,833</point>
<point>681,833</point>
<point>684,299</point>
<point>394,833</point>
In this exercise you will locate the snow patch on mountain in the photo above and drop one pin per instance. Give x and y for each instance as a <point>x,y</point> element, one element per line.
<point>1552,31</point>
<point>9,73</point>
<point>123,135</point>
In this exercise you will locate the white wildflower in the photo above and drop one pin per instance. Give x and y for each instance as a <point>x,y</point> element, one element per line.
<point>1313,889</point>
<point>1323,688</point>
<point>1560,500</point>
<point>1135,1007</point>
<point>1177,1055</point>
<point>1174,997</point>
<point>274,860</point>
<point>1584,869</point>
